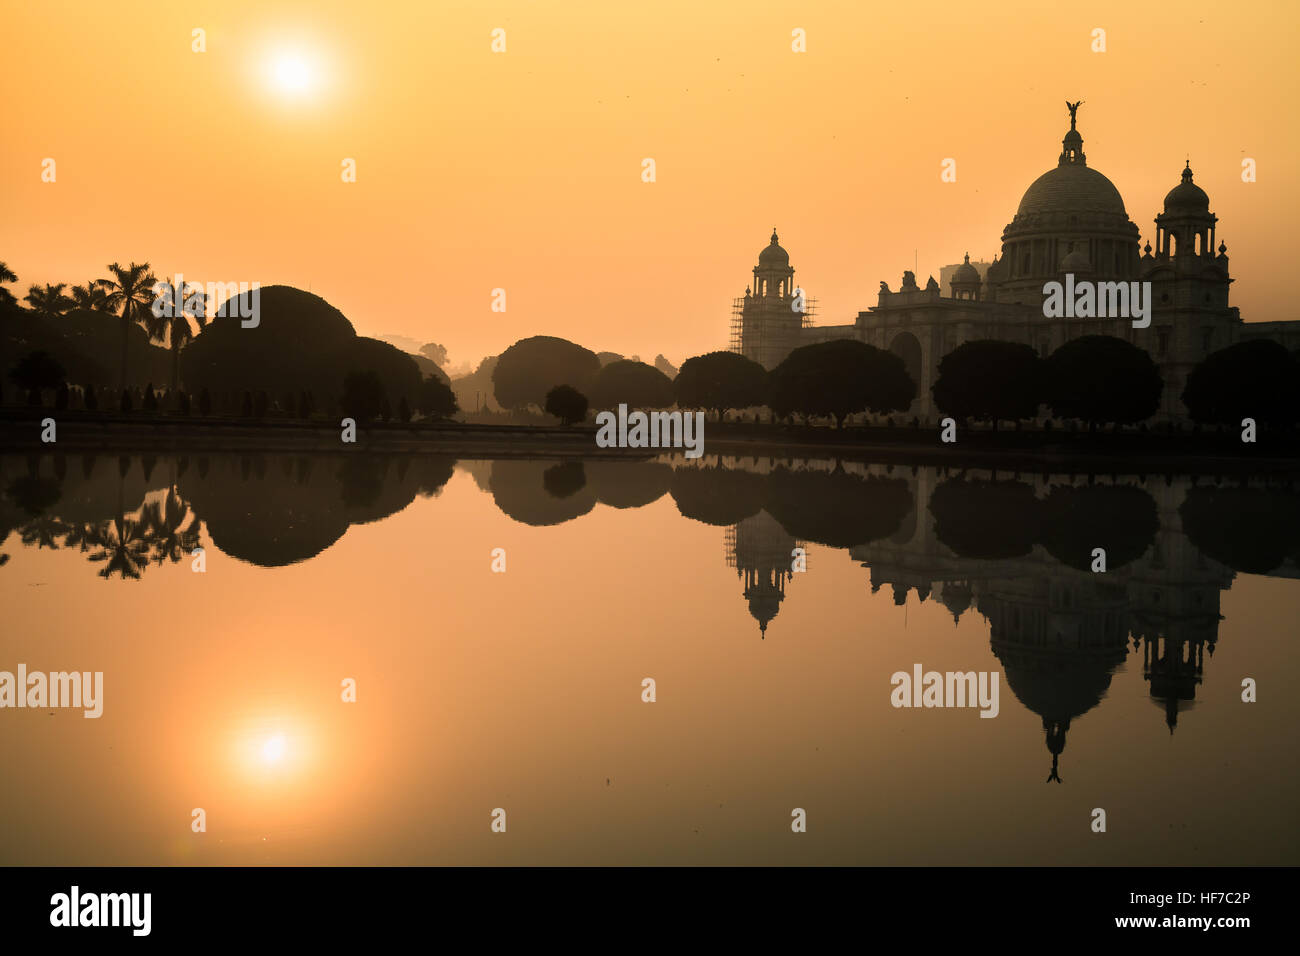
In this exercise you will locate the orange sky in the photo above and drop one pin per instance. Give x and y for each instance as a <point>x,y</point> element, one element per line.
<point>522,170</point>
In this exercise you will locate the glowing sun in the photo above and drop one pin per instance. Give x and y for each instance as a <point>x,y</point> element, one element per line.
<point>274,749</point>
<point>293,74</point>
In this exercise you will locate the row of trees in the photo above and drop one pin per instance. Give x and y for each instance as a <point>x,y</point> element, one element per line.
<point>363,396</point>
<point>1096,379</point>
<point>835,379</point>
<point>1102,379</point>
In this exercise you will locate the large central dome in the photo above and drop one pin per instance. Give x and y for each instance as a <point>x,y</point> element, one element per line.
<point>1071,188</point>
<point>1071,219</point>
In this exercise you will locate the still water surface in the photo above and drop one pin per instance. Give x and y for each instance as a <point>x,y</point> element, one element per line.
<point>522,690</point>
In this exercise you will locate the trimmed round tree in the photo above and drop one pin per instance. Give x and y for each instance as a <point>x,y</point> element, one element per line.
<point>719,381</point>
<point>530,368</point>
<point>1100,378</point>
<point>1257,379</point>
<point>566,403</point>
<point>839,378</point>
<point>634,384</point>
<point>990,380</point>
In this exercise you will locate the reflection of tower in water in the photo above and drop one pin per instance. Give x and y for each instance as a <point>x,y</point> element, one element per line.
<point>1174,597</point>
<point>1174,668</point>
<point>956,596</point>
<point>761,552</point>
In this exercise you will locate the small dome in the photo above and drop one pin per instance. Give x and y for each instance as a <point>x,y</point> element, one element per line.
<point>1187,196</point>
<point>773,255</point>
<point>1076,261</point>
<point>966,273</point>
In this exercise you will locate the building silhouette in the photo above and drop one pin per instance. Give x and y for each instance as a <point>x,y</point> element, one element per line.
<point>1071,220</point>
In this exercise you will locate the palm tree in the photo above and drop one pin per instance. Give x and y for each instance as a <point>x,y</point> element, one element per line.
<point>91,296</point>
<point>174,327</point>
<point>79,535</point>
<point>50,302</point>
<point>122,544</point>
<point>43,531</point>
<point>131,290</point>
<point>6,297</point>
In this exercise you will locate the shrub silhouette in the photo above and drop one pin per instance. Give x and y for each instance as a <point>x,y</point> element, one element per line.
<point>567,404</point>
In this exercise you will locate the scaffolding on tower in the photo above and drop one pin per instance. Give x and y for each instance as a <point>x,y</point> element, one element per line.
<point>809,312</point>
<point>736,342</point>
<point>737,325</point>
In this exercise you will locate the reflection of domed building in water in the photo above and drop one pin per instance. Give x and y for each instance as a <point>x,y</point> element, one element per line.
<point>1059,640</point>
<point>1071,219</point>
<point>761,552</point>
<point>1059,632</point>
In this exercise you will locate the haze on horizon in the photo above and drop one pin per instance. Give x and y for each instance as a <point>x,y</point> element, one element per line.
<point>522,170</point>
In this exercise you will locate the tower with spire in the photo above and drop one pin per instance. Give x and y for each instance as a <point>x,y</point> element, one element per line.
<point>767,321</point>
<point>1189,281</point>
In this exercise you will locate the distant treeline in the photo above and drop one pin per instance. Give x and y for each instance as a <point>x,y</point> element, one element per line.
<point>1094,380</point>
